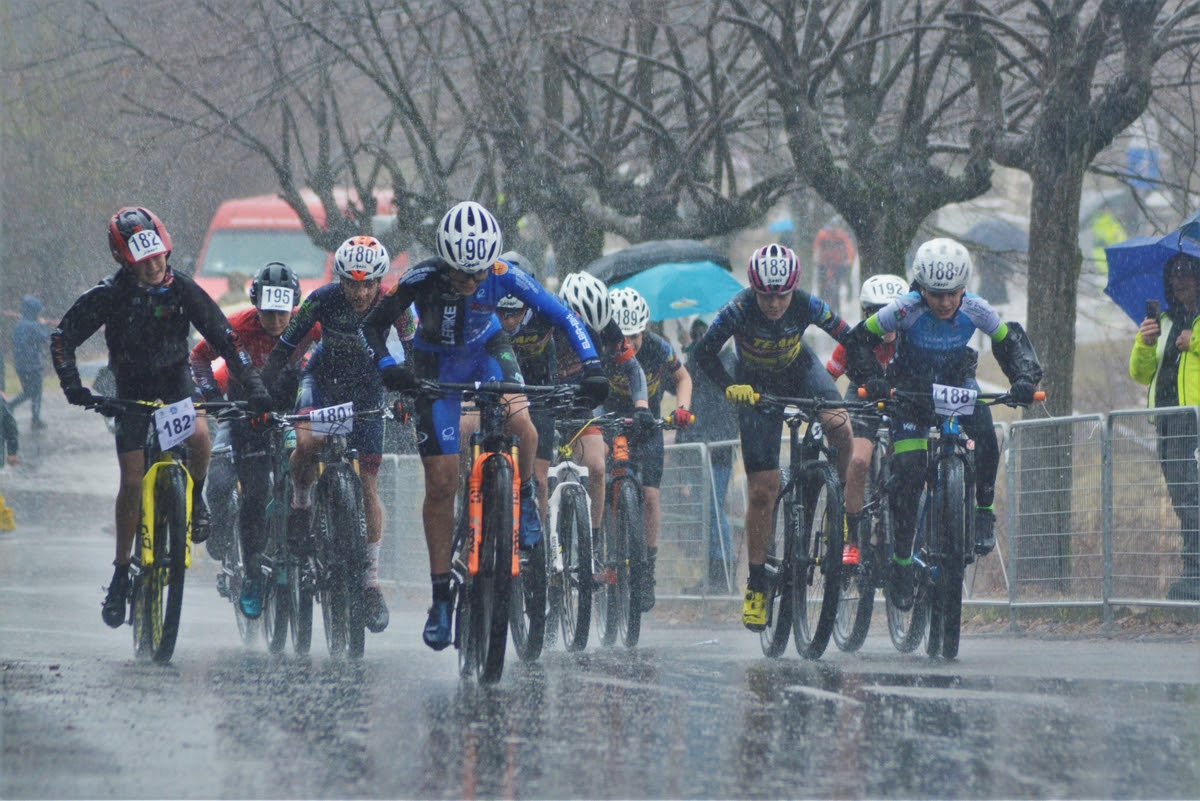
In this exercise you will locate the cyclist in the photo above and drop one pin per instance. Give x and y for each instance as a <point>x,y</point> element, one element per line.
<point>661,366</point>
<point>146,309</point>
<point>877,292</point>
<point>767,322</point>
<point>532,338</point>
<point>587,296</point>
<point>459,339</point>
<point>938,317</point>
<point>340,370</point>
<point>275,293</point>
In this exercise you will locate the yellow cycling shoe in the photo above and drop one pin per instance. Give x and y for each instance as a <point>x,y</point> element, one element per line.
<point>754,611</point>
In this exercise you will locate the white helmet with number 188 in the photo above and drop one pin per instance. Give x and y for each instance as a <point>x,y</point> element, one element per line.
<point>942,265</point>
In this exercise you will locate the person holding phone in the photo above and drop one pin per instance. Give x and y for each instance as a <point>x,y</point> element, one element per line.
<point>1166,358</point>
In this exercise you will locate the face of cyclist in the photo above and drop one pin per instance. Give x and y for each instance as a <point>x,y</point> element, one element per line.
<point>635,340</point>
<point>466,283</point>
<point>510,319</point>
<point>773,304</point>
<point>151,271</point>
<point>360,294</point>
<point>943,304</point>
<point>274,322</point>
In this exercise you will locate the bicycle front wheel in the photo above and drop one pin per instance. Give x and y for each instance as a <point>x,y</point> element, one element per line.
<point>818,563</point>
<point>780,576</point>
<point>159,600</point>
<point>571,590</point>
<point>341,531</point>
<point>277,594</point>
<point>527,604</point>
<point>949,528</point>
<point>628,525</point>
<point>488,592</point>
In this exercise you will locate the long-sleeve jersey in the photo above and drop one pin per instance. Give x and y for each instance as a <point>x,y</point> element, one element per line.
<point>618,359</point>
<point>255,341</point>
<point>763,346</point>
<point>659,363</point>
<point>342,353</point>
<point>535,347</point>
<point>448,321</point>
<point>145,328</point>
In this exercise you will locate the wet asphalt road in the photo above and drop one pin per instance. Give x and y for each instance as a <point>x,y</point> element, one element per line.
<point>695,712</point>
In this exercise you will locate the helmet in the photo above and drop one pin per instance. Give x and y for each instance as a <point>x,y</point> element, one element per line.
<point>942,265</point>
<point>587,296</point>
<point>774,269</point>
<point>361,258</point>
<point>630,310</point>
<point>510,302</point>
<point>879,290</point>
<point>468,238</point>
<point>135,234</point>
<point>275,274</point>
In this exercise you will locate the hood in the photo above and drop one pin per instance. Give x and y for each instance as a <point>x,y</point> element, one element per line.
<point>31,307</point>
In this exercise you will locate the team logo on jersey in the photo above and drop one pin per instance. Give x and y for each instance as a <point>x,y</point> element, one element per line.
<point>499,268</point>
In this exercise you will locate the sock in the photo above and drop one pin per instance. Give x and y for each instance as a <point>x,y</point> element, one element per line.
<point>853,524</point>
<point>527,487</point>
<point>758,578</point>
<point>442,589</point>
<point>302,497</point>
<point>198,491</point>
<point>371,577</point>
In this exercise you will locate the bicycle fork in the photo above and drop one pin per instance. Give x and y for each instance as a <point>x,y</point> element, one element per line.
<point>475,508</point>
<point>146,521</point>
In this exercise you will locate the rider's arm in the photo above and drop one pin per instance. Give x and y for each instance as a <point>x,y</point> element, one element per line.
<point>204,313</point>
<point>1016,355</point>
<point>860,350</point>
<point>83,319</point>
<point>708,349</point>
<point>389,311</point>
<point>825,318</point>
<point>534,294</point>
<point>200,361</point>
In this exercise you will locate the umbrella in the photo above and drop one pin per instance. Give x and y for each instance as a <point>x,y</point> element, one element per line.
<point>998,235</point>
<point>682,289</point>
<point>618,266</point>
<point>1135,269</point>
<point>783,225</point>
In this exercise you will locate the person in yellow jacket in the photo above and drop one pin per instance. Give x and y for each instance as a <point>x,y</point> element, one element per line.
<point>1166,358</point>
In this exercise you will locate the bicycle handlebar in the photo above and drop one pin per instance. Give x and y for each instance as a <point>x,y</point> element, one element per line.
<point>991,398</point>
<point>111,406</point>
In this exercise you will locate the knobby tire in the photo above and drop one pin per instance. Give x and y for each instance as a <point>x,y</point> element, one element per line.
<point>629,526</point>
<point>276,590</point>
<point>950,530</point>
<point>488,593</point>
<point>908,627</point>
<point>165,577</point>
<point>574,593</point>
<point>780,556</point>
<point>818,563</point>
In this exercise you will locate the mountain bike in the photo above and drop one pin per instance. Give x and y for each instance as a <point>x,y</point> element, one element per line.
<point>331,558</point>
<point>484,552</point>
<point>280,568</point>
<point>945,536</point>
<point>804,556</point>
<point>225,534</point>
<point>163,550</point>
<point>568,548</point>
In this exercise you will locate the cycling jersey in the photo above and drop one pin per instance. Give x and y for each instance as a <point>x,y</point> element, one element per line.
<point>765,347</point>
<point>659,364</point>
<point>534,344</point>
<point>617,357</point>
<point>447,321</point>
<point>146,330</point>
<point>836,365</point>
<point>255,341</point>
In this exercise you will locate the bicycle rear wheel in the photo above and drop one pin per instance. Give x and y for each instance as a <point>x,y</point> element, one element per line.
<point>780,587</point>
<point>630,538</point>
<point>234,565</point>
<point>573,587</point>
<point>818,563</point>
<point>607,609</point>
<point>949,512</point>
<point>341,532</point>
<point>484,633</point>
<point>857,601</point>
<point>908,627</point>
<point>527,605</point>
<point>276,573</point>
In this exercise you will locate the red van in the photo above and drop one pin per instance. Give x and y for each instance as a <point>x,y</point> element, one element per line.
<point>246,233</point>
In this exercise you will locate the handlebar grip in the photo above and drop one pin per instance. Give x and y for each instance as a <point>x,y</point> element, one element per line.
<point>1040,395</point>
<point>862,392</point>
<point>757,397</point>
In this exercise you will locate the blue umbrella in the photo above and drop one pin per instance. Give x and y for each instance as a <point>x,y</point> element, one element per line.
<point>783,225</point>
<point>682,289</point>
<point>1135,269</point>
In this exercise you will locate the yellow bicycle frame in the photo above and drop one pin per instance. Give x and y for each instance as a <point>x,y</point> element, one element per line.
<point>146,524</point>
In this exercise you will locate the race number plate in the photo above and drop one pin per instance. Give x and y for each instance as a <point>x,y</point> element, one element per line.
<point>332,419</point>
<point>957,401</point>
<point>275,298</point>
<point>175,423</point>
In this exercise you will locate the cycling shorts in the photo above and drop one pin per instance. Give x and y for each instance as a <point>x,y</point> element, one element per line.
<point>649,457</point>
<point>367,435</point>
<point>761,431</point>
<point>437,419</point>
<point>864,424</point>
<point>168,386</point>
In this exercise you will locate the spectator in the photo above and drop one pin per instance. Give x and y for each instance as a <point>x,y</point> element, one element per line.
<point>1158,362</point>
<point>30,344</point>
<point>716,421</point>
<point>833,253</point>
<point>8,446</point>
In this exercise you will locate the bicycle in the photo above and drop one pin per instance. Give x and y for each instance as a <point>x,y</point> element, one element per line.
<point>333,556</point>
<point>804,557</point>
<point>163,551</point>
<point>945,532</point>
<point>485,561</point>
<point>225,496</point>
<point>568,554</point>
<point>282,599</point>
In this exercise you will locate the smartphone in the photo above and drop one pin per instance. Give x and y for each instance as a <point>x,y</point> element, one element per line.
<point>1152,309</point>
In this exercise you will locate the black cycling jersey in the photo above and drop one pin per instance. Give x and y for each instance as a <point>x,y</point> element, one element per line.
<point>616,356</point>
<point>764,347</point>
<point>534,344</point>
<point>146,330</point>
<point>659,364</point>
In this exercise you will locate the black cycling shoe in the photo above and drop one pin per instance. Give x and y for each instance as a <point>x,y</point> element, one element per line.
<point>900,585</point>
<point>985,531</point>
<point>201,521</point>
<point>117,601</point>
<point>377,611</point>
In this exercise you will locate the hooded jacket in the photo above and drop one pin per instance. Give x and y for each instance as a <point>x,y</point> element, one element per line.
<point>1145,360</point>
<point>30,339</point>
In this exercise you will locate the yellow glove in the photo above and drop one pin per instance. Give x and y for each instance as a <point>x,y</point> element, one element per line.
<point>739,393</point>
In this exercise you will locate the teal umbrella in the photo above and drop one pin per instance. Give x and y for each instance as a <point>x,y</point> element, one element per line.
<point>683,289</point>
